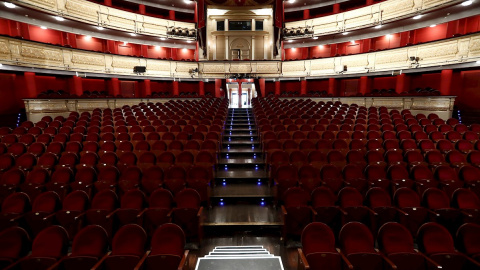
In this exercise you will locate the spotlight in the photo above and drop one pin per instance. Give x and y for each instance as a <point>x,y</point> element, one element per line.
<point>417,17</point>
<point>378,26</point>
<point>58,18</point>
<point>100,28</point>
<point>433,25</point>
<point>43,27</point>
<point>315,37</point>
<point>345,33</point>
<point>467,3</point>
<point>133,34</point>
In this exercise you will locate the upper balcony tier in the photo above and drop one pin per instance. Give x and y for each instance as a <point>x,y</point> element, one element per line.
<point>373,15</point>
<point>107,17</point>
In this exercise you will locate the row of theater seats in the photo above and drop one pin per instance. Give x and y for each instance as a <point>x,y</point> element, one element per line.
<point>110,178</point>
<point>384,167</point>
<point>395,248</point>
<point>131,248</point>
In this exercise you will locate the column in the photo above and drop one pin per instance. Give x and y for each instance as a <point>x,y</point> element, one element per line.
<point>306,14</point>
<point>141,9</point>
<point>266,48</point>
<point>218,85</point>
<point>336,8</point>
<point>147,91</point>
<point>175,89</point>
<point>31,84</point>
<point>401,83</point>
<point>446,82</point>
<point>261,82</point>
<point>195,14</point>
<point>277,88</point>
<point>253,47</point>
<point>171,15</point>
<point>332,86</point>
<point>77,86</point>
<point>303,87</point>
<point>115,87</point>
<point>201,88</point>
<point>227,51</point>
<point>364,85</point>
<point>240,101</point>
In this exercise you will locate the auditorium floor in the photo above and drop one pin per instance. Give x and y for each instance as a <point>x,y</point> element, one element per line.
<point>272,243</point>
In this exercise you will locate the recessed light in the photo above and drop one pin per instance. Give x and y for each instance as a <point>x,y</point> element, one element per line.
<point>353,41</point>
<point>88,37</point>
<point>433,25</point>
<point>291,1</point>
<point>157,47</point>
<point>467,3</point>
<point>417,17</point>
<point>100,28</point>
<point>10,5</point>
<point>162,38</point>
<point>1,65</point>
<point>133,34</point>
<point>58,18</point>
<point>43,27</point>
<point>320,46</point>
<point>290,40</point>
<point>315,37</point>
<point>189,41</point>
<point>378,26</point>
<point>124,43</point>
<point>478,62</point>
<point>294,49</point>
<point>345,33</point>
<point>388,36</point>
<point>187,1</point>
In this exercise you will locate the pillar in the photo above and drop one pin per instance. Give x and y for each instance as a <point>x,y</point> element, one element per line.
<point>401,84</point>
<point>336,8</point>
<point>277,88</point>
<point>195,14</point>
<point>175,90</point>
<point>227,51</point>
<point>306,14</point>
<point>201,88</point>
<point>141,9</point>
<point>77,86</point>
<point>218,85</point>
<point>446,82</point>
<point>332,86</point>
<point>240,95</point>
<point>171,15</point>
<point>253,48</point>
<point>303,87</point>
<point>364,85</point>
<point>115,87</point>
<point>147,90</point>
<point>107,3</point>
<point>261,82</point>
<point>31,84</point>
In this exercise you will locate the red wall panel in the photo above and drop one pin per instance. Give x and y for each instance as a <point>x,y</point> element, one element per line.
<point>90,43</point>
<point>94,85</point>
<point>44,35</point>
<point>45,83</point>
<point>384,83</point>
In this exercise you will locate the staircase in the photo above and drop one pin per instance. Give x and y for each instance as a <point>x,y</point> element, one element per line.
<point>241,197</point>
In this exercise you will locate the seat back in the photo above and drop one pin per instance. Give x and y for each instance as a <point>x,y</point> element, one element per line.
<point>51,242</point>
<point>91,241</point>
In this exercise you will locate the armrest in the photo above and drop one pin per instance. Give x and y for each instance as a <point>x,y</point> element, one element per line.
<point>142,260</point>
<point>387,260</point>
<point>472,261</point>
<point>432,213</point>
<point>302,261</point>
<point>184,262</point>
<point>57,264</point>
<point>169,215</point>
<point>49,216</point>
<point>199,214</point>
<point>342,211</point>
<point>109,216</point>
<point>284,211</point>
<point>100,262</point>
<point>428,259</point>
<point>371,211</point>
<point>401,211</point>
<point>141,213</point>
<point>465,213</point>
<point>345,260</point>
<point>80,215</point>
<point>17,218</point>
<point>13,265</point>
<point>313,211</point>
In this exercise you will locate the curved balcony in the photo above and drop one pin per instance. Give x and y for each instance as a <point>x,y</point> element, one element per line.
<point>435,55</point>
<point>99,15</point>
<point>388,11</point>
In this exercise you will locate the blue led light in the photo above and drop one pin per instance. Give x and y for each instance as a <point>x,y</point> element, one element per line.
<point>262,203</point>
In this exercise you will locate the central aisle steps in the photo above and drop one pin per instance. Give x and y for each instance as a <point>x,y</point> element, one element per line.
<point>241,195</point>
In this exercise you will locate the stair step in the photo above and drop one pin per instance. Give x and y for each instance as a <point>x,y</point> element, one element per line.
<point>241,173</point>
<point>241,161</point>
<point>242,191</point>
<point>242,215</point>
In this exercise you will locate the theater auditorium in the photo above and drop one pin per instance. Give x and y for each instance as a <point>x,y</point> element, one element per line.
<point>240,134</point>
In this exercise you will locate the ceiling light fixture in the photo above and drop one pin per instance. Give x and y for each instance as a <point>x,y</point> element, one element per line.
<point>291,1</point>
<point>417,17</point>
<point>88,37</point>
<point>389,36</point>
<point>290,40</point>
<point>43,27</point>
<point>1,65</point>
<point>100,28</point>
<point>467,3</point>
<point>345,33</point>
<point>378,26</point>
<point>162,38</point>
<point>10,5</point>
<point>433,25</point>
<point>353,41</point>
<point>133,34</point>
<point>58,18</point>
<point>315,37</point>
